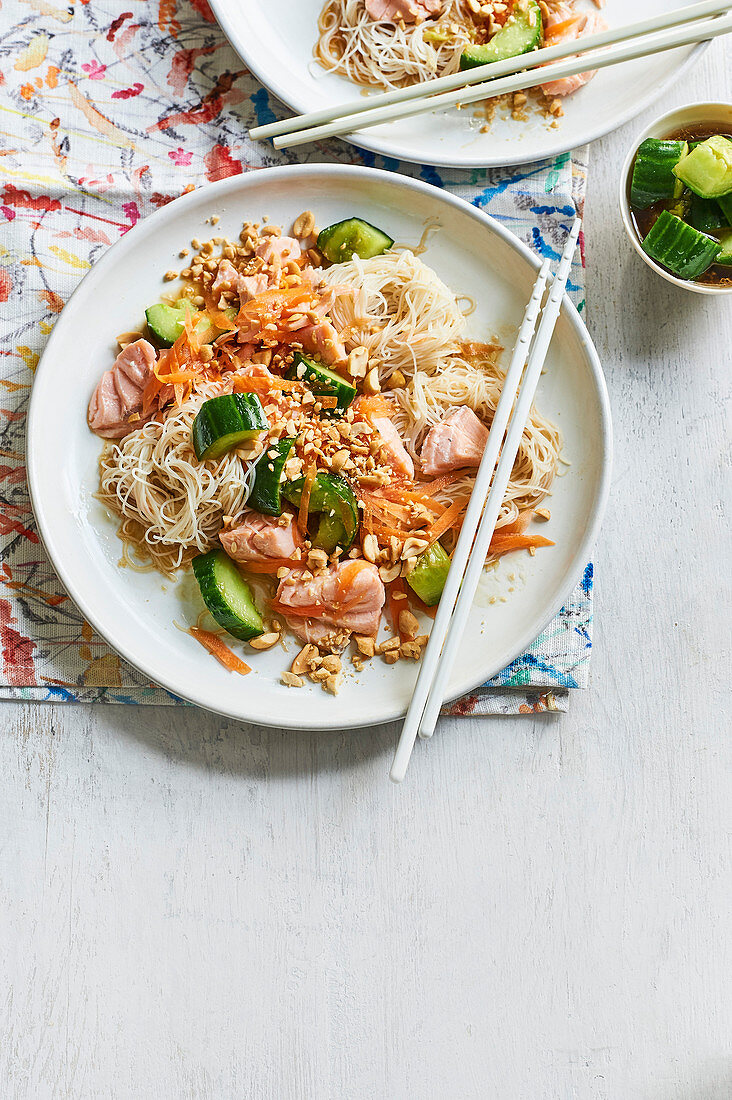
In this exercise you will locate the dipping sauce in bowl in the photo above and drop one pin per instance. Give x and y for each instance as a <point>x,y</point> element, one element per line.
<point>676,197</point>
<point>703,214</point>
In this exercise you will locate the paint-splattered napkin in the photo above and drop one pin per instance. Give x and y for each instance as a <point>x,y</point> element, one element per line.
<point>108,112</point>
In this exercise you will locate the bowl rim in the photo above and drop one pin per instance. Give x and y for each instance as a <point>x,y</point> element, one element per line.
<point>650,131</point>
<point>217,191</point>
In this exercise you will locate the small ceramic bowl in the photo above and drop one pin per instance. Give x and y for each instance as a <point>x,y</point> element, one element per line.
<point>694,114</point>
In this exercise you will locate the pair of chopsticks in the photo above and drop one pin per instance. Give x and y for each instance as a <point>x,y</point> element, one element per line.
<point>484,506</point>
<point>650,36</point>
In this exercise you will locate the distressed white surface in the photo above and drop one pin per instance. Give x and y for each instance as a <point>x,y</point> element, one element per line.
<point>195,908</point>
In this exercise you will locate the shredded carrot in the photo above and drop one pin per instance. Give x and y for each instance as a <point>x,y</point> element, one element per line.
<point>266,308</point>
<point>557,29</point>
<point>448,519</point>
<point>219,650</point>
<point>256,384</point>
<point>503,544</point>
<point>408,497</point>
<point>386,531</point>
<point>519,525</point>
<point>374,405</point>
<point>302,514</point>
<point>387,507</point>
<point>215,315</point>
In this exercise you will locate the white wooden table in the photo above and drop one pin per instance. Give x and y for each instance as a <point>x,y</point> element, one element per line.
<point>190,907</point>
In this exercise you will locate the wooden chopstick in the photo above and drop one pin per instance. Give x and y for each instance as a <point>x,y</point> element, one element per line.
<point>496,69</point>
<point>487,496</point>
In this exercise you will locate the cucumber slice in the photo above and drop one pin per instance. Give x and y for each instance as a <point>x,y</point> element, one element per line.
<point>724,237</point>
<point>166,322</point>
<point>521,33</point>
<point>725,203</point>
<point>323,382</point>
<point>227,595</point>
<point>707,169</point>
<point>682,249</point>
<point>226,422</point>
<point>705,214</point>
<point>352,237</point>
<point>266,494</point>
<point>334,501</point>
<point>653,171</point>
<point>428,577</point>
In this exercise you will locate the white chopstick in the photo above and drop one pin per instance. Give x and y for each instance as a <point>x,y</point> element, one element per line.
<point>469,556</point>
<point>493,71</point>
<point>636,48</point>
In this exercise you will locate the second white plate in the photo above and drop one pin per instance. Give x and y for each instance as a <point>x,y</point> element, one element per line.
<point>275,38</point>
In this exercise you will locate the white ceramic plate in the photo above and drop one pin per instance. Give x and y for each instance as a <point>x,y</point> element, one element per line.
<point>137,612</point>
<point>275,39</point>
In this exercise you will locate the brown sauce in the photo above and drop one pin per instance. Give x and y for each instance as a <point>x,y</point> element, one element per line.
<point>717,274</point>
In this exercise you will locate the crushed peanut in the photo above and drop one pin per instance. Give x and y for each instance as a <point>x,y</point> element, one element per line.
<point>408,624</point>
<point>304,225</point>
<point>264,641</point>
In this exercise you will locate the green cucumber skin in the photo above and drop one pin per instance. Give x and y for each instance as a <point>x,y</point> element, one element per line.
<point>323,382</point>
<point>679,247</point>
<point>335,500</point>
<point>522,33</point>
<point>215,573</point>
<point>351,237</point>
<point>266,494</point>
<point>427,579</point>
<point>224,422</point>
<point>653,172</point>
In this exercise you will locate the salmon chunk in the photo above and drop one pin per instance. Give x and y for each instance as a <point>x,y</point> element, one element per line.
<point>397,454</point>
<point>262,538</point>
<point>457,441</point>
<point>322,340</point>
<point>409,11</point>
<point>279,250</point>
<point>347,597</point>
<point>564,25</point>
<point>246,286</point>
<point>118,396</point>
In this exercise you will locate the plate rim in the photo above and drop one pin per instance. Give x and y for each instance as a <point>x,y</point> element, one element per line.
<point>220,188</point>
<point>392,150</point>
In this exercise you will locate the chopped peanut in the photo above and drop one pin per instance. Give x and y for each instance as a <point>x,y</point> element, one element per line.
<point>366,645</point>
<point>264,641</point>
<point>301,662</point>
<point>408,623</point>
<point>304,225</point>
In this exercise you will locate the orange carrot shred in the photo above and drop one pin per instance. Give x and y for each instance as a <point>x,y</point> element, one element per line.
<point>219,650</point>
<point>503,544</point>
<point>448,519</point>
<point>302,515</point>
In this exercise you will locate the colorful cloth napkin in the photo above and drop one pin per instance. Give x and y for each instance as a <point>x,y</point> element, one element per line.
<point>109,114</point>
